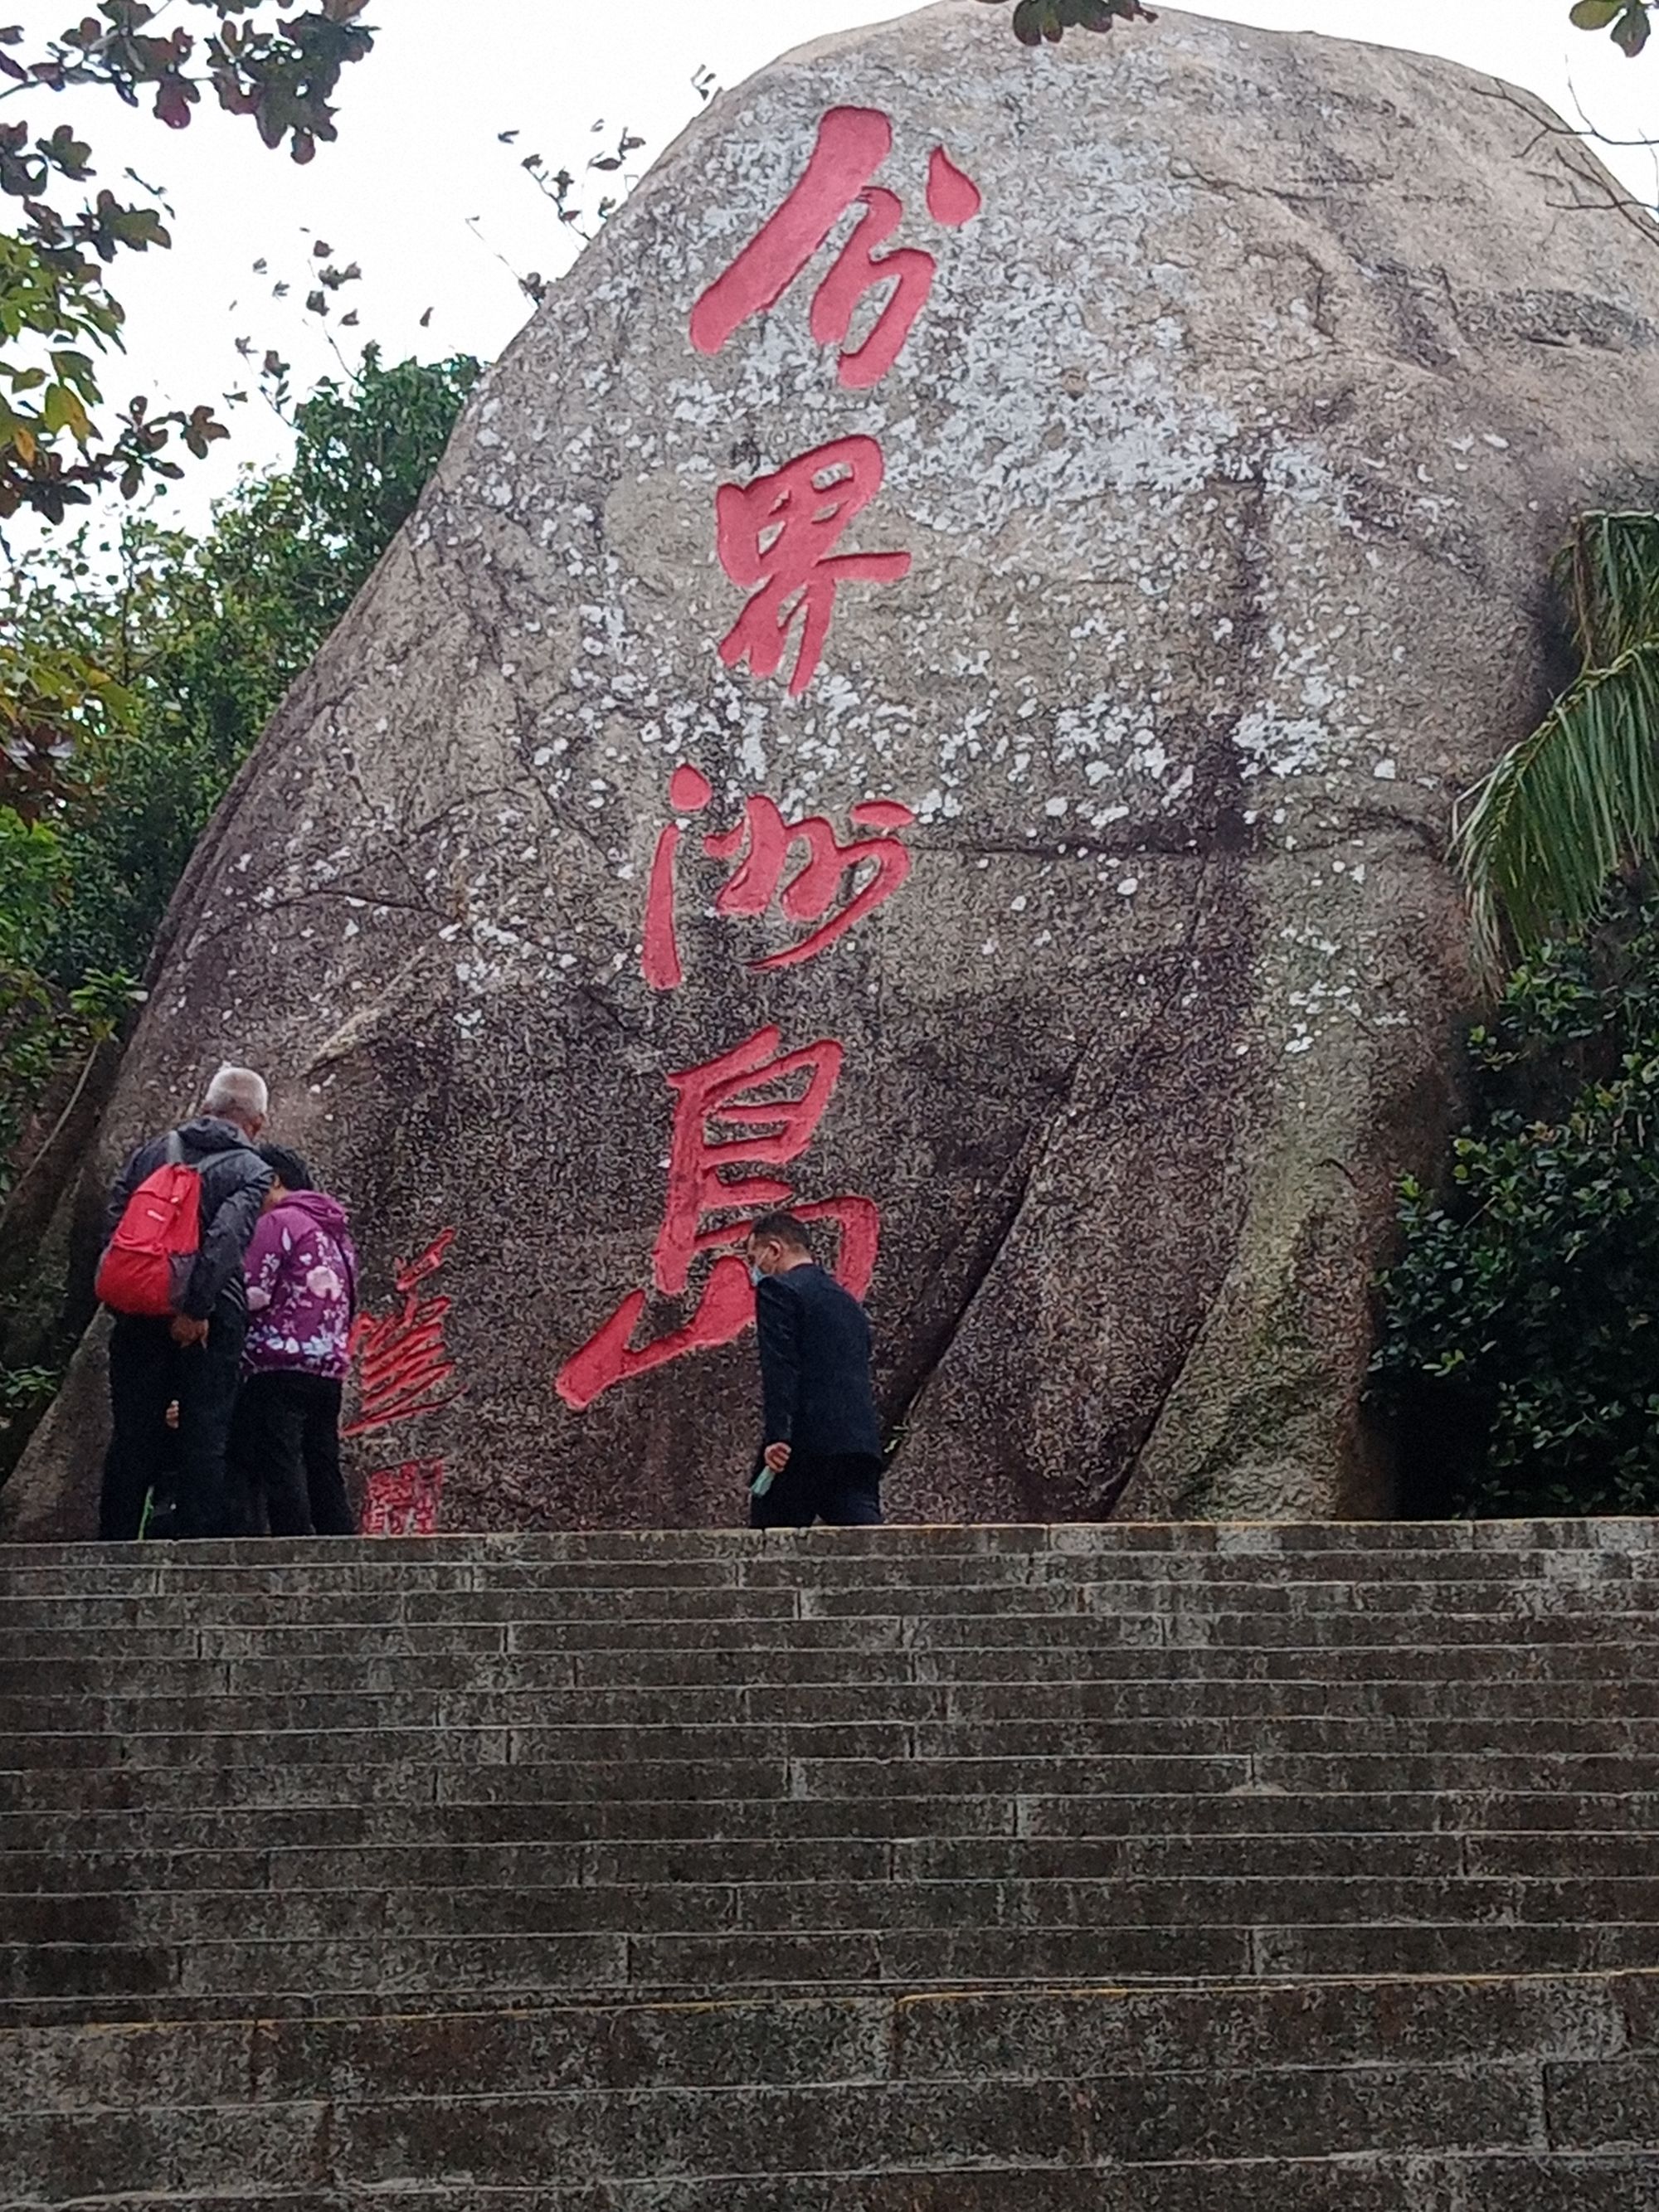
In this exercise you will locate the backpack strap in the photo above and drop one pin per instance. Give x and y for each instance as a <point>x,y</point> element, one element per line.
<point>175,1149</point>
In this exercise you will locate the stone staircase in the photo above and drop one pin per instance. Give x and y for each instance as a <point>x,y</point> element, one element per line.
<point>1065,1869</point>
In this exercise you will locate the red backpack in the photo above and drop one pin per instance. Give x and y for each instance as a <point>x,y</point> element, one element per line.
<point>149,1260</point>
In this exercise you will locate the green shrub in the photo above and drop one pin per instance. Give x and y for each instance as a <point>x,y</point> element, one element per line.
<point>1517,1368</point>
<point>168,655</point>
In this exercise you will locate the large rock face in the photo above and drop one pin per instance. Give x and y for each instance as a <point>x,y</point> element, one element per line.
<point>1234,392</point>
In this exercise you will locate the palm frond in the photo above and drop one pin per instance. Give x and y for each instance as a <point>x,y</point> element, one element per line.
<point>1610,569</point>
<point>1538,839</point>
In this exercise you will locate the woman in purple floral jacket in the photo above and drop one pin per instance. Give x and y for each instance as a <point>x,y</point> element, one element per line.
<point>301,1270</point>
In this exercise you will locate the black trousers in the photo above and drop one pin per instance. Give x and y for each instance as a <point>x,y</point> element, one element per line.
<point>285,1457</point>
<point>147,1371</point>
<point>842,1489</point>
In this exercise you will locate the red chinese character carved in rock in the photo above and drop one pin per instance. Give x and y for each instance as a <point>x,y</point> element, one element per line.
<point>853,142</point>
<point>763,844</point>
<point>403,1501</point>
<point>775,534</point>
<point>766,1103</point>
<point>402,1364</point>
<point>778,533</point>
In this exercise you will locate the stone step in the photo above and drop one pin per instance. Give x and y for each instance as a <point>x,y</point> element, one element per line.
<point>1500,2181</point>
<point>1080,2032</point>
<point>1525,2180</point>
<point>338,1780</point>
<point>904,1558</point>
<point>709,1559</point>
<point>530,1866</point>
<point>1177,1703</point>
<point>835,1589</point>
<point>896,1551</point>
<point>263,1830</point>
<point>1394,1539</point>
<point>1171,1695</point>
<point>416,1782</point>
<point>456,1945</point>
<point>46,1637</point>
<point>368,1967</point>
<point>962,1902</point>
<point>374,1977</point>
<point>379,1671</point>
<point>1287,1750</point>
<point>523,1867</point>
<point>1032,2087</point>
<point>1290,1631</point>
<point>696,1581</point>
<point>780,2151</point>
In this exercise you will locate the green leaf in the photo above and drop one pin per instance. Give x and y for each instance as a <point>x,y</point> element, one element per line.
<point>76,368</point>
<point>1595,15</point>
<point>1630,32</point>
<point>1568,807</point>
<point>64,411</point>
<point>140,229</point>
<point>1037,20</point>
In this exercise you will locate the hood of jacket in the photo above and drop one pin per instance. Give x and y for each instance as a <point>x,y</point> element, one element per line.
<point>207,1134</point>
<point>317,1206</point>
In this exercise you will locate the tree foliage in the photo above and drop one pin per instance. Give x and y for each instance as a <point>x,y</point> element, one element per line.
<point>193,643</point>
<point>56,310</point>
<point>1518,1361</point>
<point>1577,801</point>
<point>62,442</point>
<point>1625,21</point>
<point>1034,21</point>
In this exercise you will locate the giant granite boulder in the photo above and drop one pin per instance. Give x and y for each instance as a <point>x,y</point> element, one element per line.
<point>931,680</point>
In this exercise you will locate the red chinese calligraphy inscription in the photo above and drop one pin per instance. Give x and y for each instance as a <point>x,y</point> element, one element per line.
<point>833,884</point>
<point>859,269</point>
<point>402,1365</point>
<point>775,535</point>
<point>852,144</point>
<point>688,793</point>
<point>776,538</point>
<point>778,533</point>
<point>716,1183</point>
<point>953,197</point>
<point>403,1369</point>
<point>403,1500</point>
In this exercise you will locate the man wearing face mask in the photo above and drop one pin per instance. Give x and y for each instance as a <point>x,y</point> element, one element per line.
<point>821,1457</point>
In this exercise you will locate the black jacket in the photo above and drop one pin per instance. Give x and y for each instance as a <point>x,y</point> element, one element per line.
<point>815,1365</point>
<point>234,1181</point>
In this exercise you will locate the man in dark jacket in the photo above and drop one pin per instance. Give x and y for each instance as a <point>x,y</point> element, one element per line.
<point>194,1358</point>
<point>821,1459</point>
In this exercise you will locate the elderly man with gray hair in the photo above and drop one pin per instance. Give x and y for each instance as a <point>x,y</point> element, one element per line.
<point>172,1273</point>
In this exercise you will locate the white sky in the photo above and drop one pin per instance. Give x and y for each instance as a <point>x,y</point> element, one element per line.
<point>418,155</point>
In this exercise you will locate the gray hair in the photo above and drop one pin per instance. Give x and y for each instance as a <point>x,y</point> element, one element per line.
<point>237,1094</point>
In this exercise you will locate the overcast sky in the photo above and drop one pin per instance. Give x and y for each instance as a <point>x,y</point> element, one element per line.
<point>419,191</point>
